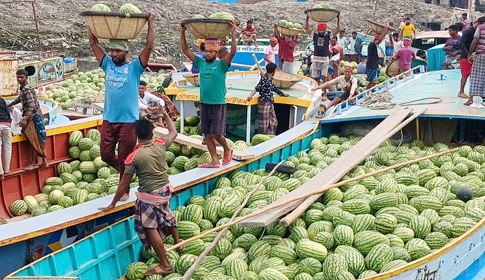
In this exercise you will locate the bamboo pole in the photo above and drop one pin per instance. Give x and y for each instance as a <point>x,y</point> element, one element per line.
<point>261,211</point>
<point>194,266</point>
<point>288,219</point>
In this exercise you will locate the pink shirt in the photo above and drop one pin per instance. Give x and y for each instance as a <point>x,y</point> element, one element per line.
<point>286,49</point>
<point>405,55</point>
<point>269,55</point>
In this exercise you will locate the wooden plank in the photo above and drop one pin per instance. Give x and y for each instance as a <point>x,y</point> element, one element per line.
<point>196,143</point>
<point>334,171</point>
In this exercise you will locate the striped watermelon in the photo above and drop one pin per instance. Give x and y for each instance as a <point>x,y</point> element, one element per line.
<point>54,181</point>
<point>297,233</point>
<point>64,167</point>
<point>136,270</point>
<point>383,200</point>
<point>378,256</point>
<point>356,206</point>
<point>305,248</point>
<point>222,249</point>
<point>65,201</point>
<point>18,207</point>
<point>332,264</point>
<point>87,167</point>
<point>74,152</point>
<point>310,266</point>
<point>285,253</point>
<point>343,235</point>
<point>393,265</point>
<point>258,249</point>
<point>236,268</point>
<point>364,241</point>
<point>94,135</point>
<point>385,223</point>
<point>192,213</point>
<point>31,202</point>
<point>182,264</point>
<point>187,229</point>
<point>425,202</point>
<point>271,274</point>
<point>75,137</point>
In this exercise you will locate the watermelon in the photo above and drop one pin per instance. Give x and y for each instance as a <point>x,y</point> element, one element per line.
<point>136,270</point>
<point>18,207</point>
<point>129,8</point>
<point>98,8</point>
<point>305,248</point>
<point>74,138</point>
<point>85,144</point>
<point>64,167</point>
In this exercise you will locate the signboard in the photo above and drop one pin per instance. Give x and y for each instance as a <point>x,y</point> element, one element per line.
<point>195,98</point>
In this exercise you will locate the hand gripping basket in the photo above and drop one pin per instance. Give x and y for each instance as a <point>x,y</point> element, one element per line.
<point>284,80</point>
<point>193,79</point>
<point>208,28</point>
<point>292,32</point>
<point>377,27</point>
<point>107,25</point>
<point>321,14</point>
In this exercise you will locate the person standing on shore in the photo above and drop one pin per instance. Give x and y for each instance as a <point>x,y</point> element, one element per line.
<point>121,96</point>
<point>465,65</point>
<point>213,108</point>
<point>477,82</point>
<point>31,113</point>
<point>5,138</point>
<point>372,64</point>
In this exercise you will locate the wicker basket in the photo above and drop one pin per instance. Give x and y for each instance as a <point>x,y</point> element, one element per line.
<point>284,80</point>
<point>208,28</point>
<point>292,32</point>
<point>193,79</point>
<point>106,25</point>
<point>393,68</point>
<point>321,14</point>
<point>377,27</point>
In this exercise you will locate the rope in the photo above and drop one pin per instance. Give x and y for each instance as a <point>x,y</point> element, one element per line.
<point>380,101</point>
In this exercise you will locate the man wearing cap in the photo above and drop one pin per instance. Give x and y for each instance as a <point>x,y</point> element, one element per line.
<point>405,56</point>
<point>212,94</point>
<point>269,54</point>
<point>121,96</point>
<point>248,34</point>
<point>465,65</point>
<point>477,82</point>
<point>372,64</point>
<point>452,49</point>
<point>286,49</point>
<point>321,42</point>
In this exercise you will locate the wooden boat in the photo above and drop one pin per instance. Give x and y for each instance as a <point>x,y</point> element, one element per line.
<point>105,254</point>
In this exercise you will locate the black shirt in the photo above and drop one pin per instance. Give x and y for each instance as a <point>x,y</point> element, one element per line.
<point>266,89</point>
<point>466,41</point>
<point>4,112</point>
<point>372,57</point>
<point>320,44</point>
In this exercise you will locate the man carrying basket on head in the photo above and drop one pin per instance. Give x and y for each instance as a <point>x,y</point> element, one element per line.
<point>212,94</point>
<point>121,96</point>
<point>321,43</point>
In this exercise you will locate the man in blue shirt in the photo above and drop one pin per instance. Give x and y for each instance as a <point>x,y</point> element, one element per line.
<point>212,74</point>
<point>121,96</point>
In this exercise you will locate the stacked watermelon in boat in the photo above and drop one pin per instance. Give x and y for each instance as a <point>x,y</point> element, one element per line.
<point>364,228</point>
<point>85,178</point>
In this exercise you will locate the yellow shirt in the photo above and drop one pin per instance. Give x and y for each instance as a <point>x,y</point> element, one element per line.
<point>407,30</point>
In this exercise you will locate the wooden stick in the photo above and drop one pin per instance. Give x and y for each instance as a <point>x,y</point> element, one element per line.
<point>341,183</point>
<point>288,219</point>
<point>209,248</point>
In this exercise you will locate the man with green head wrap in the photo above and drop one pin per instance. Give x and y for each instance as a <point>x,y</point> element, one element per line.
<point>121,96</point>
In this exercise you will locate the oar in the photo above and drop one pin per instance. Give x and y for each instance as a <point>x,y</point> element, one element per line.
<point>257,64</point>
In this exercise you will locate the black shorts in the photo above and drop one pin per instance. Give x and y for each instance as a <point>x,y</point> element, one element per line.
<point>213,119</point>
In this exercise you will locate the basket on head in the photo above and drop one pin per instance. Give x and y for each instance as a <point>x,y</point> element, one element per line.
<point>284,80</point>
<point>208,28</point>
<point>377,27</point>
<point>107,25</point>
<point>322,14</point>
<point>193,79</point>
<point>292,32</point>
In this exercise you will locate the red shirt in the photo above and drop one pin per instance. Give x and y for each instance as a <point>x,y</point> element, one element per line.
<point>286,49</point>
<point>249,31</point>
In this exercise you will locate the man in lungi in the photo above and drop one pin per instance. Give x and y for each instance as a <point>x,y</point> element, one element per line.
<point>153,219</point>
<point>31,112</point>
<point>477,80</point>
<point>212,94</point>
<point>267,121</point>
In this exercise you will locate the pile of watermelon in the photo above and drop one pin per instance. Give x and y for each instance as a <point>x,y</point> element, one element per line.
<point>85,178</point>
<point>361,229</point>
<point>127,8</point>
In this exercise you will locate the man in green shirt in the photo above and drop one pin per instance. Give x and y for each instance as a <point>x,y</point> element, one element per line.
<point>212,75</point>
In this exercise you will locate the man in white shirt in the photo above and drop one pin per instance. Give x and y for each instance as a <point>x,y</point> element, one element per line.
<point>396,43</point>
<point>149,104</point>
<point>345,43</point>
<point>269,51</point>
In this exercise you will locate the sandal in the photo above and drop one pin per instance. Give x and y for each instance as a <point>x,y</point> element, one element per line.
<point>228,159</point>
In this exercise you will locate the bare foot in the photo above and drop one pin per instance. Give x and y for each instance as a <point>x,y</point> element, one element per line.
<point>2,177</point>
<point>44,165</point>
<point>125,197</point>
<point>31,167</point>
<point>468,103</point>
<point>463,95</point>
<point>159,270</point>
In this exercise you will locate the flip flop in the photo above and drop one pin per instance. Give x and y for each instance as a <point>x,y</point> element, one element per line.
<point>228,159</point>
<point>208,165</point>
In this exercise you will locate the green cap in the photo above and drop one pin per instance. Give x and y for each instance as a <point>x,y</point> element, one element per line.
<point>118,44</point>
